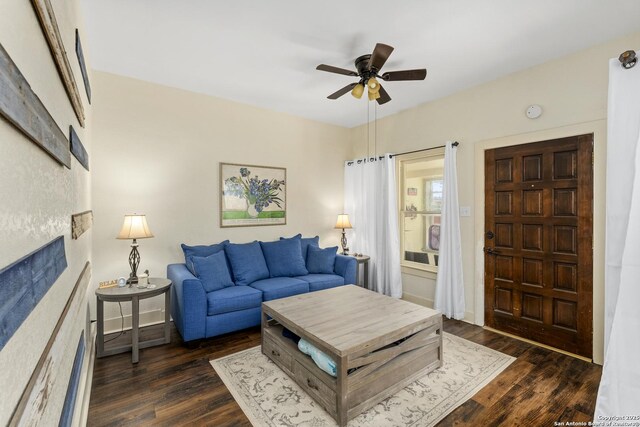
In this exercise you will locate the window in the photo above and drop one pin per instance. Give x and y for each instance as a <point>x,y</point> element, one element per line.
<point>420,186</point>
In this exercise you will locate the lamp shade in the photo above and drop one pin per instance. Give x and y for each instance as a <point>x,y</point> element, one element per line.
<point>373,85</point>
<point>343,221</point>
<point>135,227</point>
<point>358,91</point>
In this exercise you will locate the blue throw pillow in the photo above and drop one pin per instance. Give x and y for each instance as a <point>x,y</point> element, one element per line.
<point>212,271</point>
<point>201,251</point>
<point>284,258</point>
<point>247,262</point>
<point>321,261</point>
<point>305,242</point>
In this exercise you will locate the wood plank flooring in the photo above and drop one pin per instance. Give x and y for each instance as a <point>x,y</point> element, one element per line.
<point>174,385</point>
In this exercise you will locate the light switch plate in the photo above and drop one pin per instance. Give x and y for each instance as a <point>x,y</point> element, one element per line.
<point>465,211</point>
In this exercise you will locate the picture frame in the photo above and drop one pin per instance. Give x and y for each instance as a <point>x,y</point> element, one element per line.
<point>252,195</point>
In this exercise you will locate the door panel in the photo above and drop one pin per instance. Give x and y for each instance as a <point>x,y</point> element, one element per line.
<point>538,244</point>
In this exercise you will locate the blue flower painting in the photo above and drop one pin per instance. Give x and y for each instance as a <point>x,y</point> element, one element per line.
<point>252,195</point>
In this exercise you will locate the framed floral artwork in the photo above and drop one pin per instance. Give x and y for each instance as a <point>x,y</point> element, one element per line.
<point>252,195</point>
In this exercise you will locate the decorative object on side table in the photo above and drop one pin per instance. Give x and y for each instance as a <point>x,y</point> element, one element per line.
<point>134,227</point>
<point>252,195</point>
<point>343,223</point>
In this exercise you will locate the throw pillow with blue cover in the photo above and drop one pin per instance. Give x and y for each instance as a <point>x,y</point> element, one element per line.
<point>247,262</point>
<point>321,261</point>
<point>201,251</point>
<point>284,258</point>
<point>212,271</point>
<point>305,242</point>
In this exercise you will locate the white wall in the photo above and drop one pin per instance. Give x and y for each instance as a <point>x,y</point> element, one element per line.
<point>157,152</point>
<point>573,94</point>
<point>38,197</point>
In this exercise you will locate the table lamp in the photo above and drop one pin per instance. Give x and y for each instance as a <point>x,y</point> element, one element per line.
<point>343,223</point>
<point>134,227</point>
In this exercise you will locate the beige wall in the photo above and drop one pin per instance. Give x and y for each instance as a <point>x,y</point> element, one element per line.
<point>38,196</point>
<point>573,94</point>
<point>157,152</point>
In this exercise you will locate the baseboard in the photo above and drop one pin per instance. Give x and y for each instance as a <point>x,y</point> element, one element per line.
<point>81,411</point>
<point>426,302</point>
<point>147,318</point>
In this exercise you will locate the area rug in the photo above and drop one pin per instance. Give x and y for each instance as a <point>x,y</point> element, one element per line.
<point>269,397</point>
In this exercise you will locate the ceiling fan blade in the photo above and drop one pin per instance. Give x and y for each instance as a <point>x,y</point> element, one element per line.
<point>379,56</point>
<point>384,96</point>
<point>393,76</point>
<point>332,69</point>
<point>338,94</point>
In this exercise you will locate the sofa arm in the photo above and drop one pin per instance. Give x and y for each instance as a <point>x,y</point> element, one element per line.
<point>188,302</point>
<point>346,267</point>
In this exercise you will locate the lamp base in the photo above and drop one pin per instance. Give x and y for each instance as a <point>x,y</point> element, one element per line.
<point>134,262</point>
<point>343,243</point>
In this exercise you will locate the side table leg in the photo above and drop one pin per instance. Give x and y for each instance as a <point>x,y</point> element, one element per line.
<point>167,316</point>
<point>365,283</point>
<point>135,320</point>
<point>100,337</point>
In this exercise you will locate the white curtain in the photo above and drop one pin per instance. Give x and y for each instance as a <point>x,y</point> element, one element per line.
<point>620,384</point>
<point>370,200</point>
<point>449,299</point>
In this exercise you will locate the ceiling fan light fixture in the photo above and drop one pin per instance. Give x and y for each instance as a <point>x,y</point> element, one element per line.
<point>357,90</point>
<point>373,85</point>
<point>374,95</point>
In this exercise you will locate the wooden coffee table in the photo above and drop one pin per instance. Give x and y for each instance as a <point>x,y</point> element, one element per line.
<point>380,345</point>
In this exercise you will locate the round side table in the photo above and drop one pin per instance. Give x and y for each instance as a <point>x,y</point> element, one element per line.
<point>156,286</point>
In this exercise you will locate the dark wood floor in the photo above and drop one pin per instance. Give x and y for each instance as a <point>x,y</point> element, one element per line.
<point>175,385</point>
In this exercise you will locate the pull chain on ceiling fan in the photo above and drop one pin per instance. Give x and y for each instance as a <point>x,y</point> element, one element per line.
<point>368,67</point>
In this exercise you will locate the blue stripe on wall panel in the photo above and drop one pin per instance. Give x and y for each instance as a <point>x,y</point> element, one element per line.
<point>74,381</point>
<point>25,282</point>
<point>77,149</point>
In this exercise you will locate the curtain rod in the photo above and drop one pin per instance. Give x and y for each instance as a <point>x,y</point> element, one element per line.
<point>455,144</point>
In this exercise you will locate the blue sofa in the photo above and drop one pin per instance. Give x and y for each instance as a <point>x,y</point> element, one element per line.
<point>220,288</point>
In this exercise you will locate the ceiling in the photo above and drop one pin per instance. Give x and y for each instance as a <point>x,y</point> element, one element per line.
<point>264,53</point>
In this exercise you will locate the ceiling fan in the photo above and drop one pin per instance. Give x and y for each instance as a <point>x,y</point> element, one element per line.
<point>368,67</point>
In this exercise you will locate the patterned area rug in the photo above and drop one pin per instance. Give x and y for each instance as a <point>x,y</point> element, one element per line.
<point>269,397</point>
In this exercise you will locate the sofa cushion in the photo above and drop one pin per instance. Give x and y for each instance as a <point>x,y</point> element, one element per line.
<point>305,242</point>
<point>321,261</point>
<point>280,287</point>
<point>233,298</point>
<point>284,258</point>
<point>247,262</point>
<point>318,282</point>
<point>201,251</point>
<point>212,271</point>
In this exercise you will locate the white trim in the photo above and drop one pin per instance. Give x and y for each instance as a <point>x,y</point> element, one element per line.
<point>599,130</point>
<point>147,318</point>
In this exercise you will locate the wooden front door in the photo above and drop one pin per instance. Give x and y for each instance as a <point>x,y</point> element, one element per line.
<point>538,242</point>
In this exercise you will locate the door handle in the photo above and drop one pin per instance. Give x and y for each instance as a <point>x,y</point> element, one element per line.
<point>490,251</point>
<point>489,234</point>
